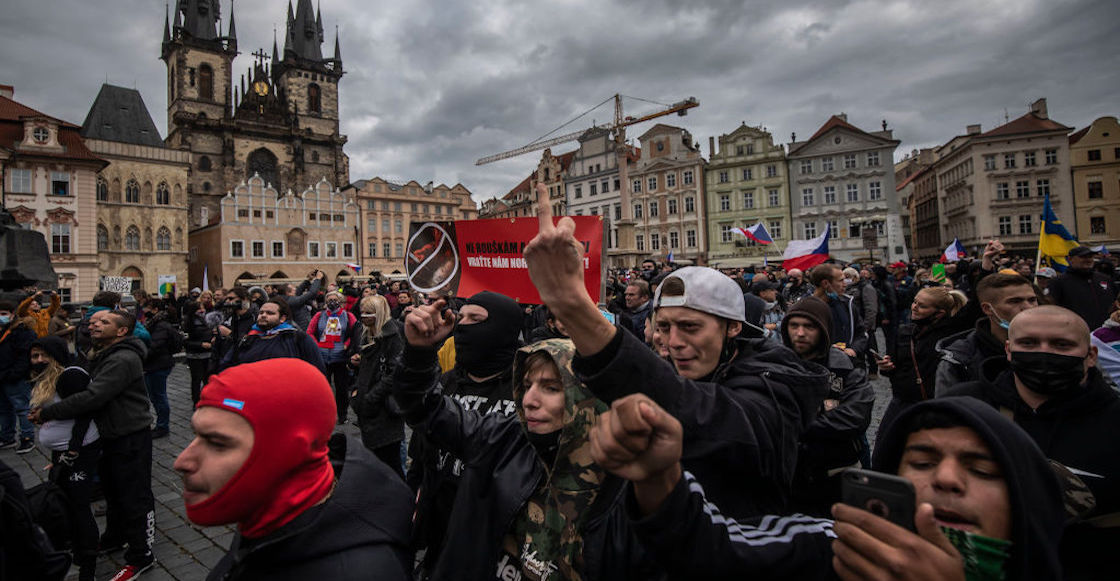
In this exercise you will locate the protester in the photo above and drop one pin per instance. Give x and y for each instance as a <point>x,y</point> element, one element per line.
<point>237,319</point>
<point>260,459</point>
<point>864,297</point>
<point>197,345</point>
<point>273,337</point>
<point>38,318</point>
<point>382,342</point>
<point>638,307</point>
<point>118,400</point>
<point>16,337</point>
<point>744,402</point>
<point>905,289</point>
<point>166,342</point>
<point>530,503</point>
<point>1042,278</point>
<point>1054,391</point>
<point>772,312</point>
<point>74,445</point>
<point>834,439</point>
<point>1082,289</point>
<point>1107,341</point>
<point>554,329</point>
<point>301,300</point>
<point>336,332</point>
<point>796,287</point>
<point>847,326</point>
<point>60,326</point>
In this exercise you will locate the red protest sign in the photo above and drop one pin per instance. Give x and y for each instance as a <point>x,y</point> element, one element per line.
<point>487,255</point>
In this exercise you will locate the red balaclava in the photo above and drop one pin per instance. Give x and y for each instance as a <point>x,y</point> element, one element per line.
<point>291,408</point>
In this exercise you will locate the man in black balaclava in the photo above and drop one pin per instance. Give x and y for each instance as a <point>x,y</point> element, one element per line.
<point>485,340</point>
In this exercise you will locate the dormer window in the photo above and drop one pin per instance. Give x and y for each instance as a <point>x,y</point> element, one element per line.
<point>41,135</point>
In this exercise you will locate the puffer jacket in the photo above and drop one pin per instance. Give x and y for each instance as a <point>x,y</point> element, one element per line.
<point>379,422</point>
<point>116,397</point>
<point>504,472</point>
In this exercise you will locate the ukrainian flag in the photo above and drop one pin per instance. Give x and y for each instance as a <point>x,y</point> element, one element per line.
<point>1054,241</point>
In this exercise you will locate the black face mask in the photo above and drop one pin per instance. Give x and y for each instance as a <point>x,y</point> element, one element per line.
<point>1047,373</point>
<point>477,350</point>
<point>37,368</point>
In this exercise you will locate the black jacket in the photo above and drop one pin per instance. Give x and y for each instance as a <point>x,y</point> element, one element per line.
<point>1089,294</point>
<point>1077,429</point>
<point>198,332</point>
<point>285,341</point>
<point>847,324</point>
<point>302,304</point>
<point>691,538</point>
<point>15,352</point>
<point>963,354</point>
<point>917,344</point>
<point>116,396</point>
<point>741,428</point>
<point>835,437</point>
<point>379,423</point>
<point>239,326</point>
<point>163,339</point>
<point>360,532</point>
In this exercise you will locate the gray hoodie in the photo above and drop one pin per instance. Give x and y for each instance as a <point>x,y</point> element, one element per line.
<point>116,396</point>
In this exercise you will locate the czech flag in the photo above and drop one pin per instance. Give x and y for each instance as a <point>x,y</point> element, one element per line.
<point>954,252</point>
<point>354,266</point>
<point>1054,242</point>
<point>805,254</point>
<point>757,233</point>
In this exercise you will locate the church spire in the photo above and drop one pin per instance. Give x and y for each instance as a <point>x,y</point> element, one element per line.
<point>337,50</point>
<point>166,25</point>
<point>275,52</point>
<point>232,25</point>
<point>319,19</point>
<point>178,19</point>
<point>200,18</point>
<point>305,37</point>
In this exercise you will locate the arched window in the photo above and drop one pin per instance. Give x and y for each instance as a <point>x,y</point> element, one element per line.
<point>205,82</point>
<point>102,237</point>
<point>132,192</point>
<point>163,239</point>
<point>264,163</point>
<point>163,194</point>
<point>132,238</point>
<point>314,98</point>
<point>204,163</point>
<point>102,190</point>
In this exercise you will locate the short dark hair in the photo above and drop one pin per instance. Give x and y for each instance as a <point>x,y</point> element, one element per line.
<point>7,306</point>
<point>996,281</point>
<point>157,304</point>
<point>238,291</point>
<point>933,419</point>
<point>106,299</point>
<point>281,305</point>
<point>124,319</point>
<point>822,272</point>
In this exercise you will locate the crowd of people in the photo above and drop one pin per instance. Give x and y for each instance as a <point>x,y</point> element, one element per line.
<point>694,423</point>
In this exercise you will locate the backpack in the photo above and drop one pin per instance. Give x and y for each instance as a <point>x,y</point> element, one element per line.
<point>26,551</point>
<point>51,511</point>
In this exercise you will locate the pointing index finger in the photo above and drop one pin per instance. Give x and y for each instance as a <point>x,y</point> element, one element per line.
<point>544,210</point>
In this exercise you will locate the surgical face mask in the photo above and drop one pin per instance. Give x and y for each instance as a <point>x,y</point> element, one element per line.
<point>5,319</point>
<point>771,304</point>
<point>1047,373</point>
<point>1003,323</point>
<point>848,282</point>
<point>833,295</point>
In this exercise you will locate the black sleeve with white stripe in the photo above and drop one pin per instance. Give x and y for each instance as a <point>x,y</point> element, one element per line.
<point>692,540</point>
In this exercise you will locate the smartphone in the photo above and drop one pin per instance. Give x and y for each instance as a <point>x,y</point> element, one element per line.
<point>875,354</point>
<point>883,495</point>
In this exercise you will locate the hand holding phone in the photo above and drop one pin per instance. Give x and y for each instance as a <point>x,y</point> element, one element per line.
<point>883,495</point>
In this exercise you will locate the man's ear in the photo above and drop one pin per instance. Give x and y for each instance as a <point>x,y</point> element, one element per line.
<point>733,329</point>
<point>1091,359</point>
<point>1007,348</point>
<point>986,308</point>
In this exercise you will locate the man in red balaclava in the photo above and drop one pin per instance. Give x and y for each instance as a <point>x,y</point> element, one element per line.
<point>260,459</point>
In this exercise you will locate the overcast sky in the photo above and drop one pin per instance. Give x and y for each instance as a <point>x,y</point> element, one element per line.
<point>432,85</point>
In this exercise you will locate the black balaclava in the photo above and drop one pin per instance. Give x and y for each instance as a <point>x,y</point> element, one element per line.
<point>487,348</point>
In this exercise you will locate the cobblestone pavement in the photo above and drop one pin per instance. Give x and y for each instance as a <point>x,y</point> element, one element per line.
<point>183,551</point>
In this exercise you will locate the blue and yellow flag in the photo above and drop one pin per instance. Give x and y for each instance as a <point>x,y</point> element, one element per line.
<point>1054,241</point>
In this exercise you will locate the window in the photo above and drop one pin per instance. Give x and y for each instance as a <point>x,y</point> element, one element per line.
<point>277,249</point>
<point>671,206</point>
<point>687,177</point>
<point>386,249</point>
<point>60,238</point>
<point>655,241</point>
<point>132,238</point>
<point>439,210</point>
<point>313,250</point>
<point>637,186</point>
<point>594,211</point>
<point>396,206</point>
<point>1022,189</point>
<point>807,198</point>
<point>775,198</point>
<point>748,174</point>
<point>833,230</point>
<point>738,150</point>
<point>849,161</point>
<point>724,203</point>
<point>775,228</point>
<point>725,233</point>
<point>163,194</point>
<point>1096,225</point>
<point>1029,159</point>
<point>102,237</point>
<point>1051,156</point>
<point>21,181</point>
<point>236,249</point>
<point>827,164</point>
<point>428,209</point>
<point>371,224</point>
<point>1025,223</point>
<point>205,82</point>
<point>384,204</point>
<point>674,240</point>
<point>60,183</point>
<point>875,191</point>
<point>670,180</point>
<point>594,189</point>
<point>373,250</point>
<point>617,211</point>
<point>258,248</point>
<point>314,98</point>
<point>102,190</point>
<point>1094,155</point>
<point>723,177</point>
<point>853,229</point>
<point>652,183</point>
<point>1002,191</point>
<point>1005,225</point>
<point>204,163</point>
<point>399,247</point>
<point>332,249</point>
<point>872,159</point>
<point>989,162</point>
<point>771,171</point>
<point>163,239</point>
<point>348,250</point>
<point>1096,190</point>
<point>398,227</point>
<point>689,205</point>
<point>616,186</point>
<point>385,225</point>
<point>604,186</point>
<point>810,230</point>
<point>640,242</point>
<point>1008,160</point>
<point>637,210</point>
<point>830,194</point>
<point>132,192</point>
<point>415,207</point>
<point>806,166</point>
<point>853,192</point>
<point>748,200</point>
<point>1043,187</point>
<point>690,238</point>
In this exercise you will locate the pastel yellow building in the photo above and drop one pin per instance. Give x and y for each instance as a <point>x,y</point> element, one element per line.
<point>1094,153</point>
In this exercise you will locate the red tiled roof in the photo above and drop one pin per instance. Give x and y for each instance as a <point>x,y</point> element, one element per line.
<point>833,122</point>
<point>521,187</point>
<point>1074,138</point>
<point>1029,123</point>
<point>11,132</point>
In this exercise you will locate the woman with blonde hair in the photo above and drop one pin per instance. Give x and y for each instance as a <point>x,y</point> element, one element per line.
<point>74,444</point>
<point>382,342</point>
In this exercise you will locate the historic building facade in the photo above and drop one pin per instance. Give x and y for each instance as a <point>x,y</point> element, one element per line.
<point>1094,153</point>
<point>49,180</point>
<point>592,184</point>
<point>262,234</point>
<point>141,195</point>
<point>280,122</point>
<point>745,183</point>
<point>387,208</point>
<point>917,201</point>
<point>842,178</point>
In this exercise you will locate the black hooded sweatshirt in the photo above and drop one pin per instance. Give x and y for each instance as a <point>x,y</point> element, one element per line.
<point>691,539</point>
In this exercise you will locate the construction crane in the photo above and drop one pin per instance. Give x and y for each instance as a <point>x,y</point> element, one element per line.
<point>618,127</point>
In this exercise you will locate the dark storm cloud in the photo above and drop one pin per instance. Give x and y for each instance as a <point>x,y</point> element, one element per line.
<point>432,85</point>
